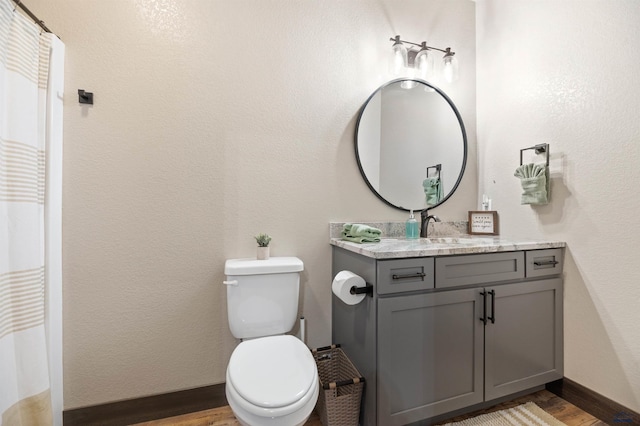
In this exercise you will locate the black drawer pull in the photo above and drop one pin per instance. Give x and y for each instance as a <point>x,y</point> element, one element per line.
<point>546,262</point>
<point>408,276</point>
<point>493,306</point>
<point>483,318</point>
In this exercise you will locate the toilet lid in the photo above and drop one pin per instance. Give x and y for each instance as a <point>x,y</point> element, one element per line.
<point>272,371</point>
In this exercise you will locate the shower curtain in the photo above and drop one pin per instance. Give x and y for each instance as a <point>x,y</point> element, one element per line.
<point>31,69</point>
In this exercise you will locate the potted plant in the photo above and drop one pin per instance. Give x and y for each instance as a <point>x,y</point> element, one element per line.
<point>263,241</point>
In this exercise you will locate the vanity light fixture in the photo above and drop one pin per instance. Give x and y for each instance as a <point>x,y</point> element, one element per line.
<point>419,61</point>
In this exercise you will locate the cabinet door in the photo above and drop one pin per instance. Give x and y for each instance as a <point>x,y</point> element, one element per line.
<point>430,355</point>
<point>524,339</point>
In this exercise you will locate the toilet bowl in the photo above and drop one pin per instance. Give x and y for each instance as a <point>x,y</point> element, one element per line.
<point>272,378</point>
<point>272,381</point>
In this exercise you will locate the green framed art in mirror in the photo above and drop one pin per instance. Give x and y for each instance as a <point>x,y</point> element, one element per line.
<point>411,144</point>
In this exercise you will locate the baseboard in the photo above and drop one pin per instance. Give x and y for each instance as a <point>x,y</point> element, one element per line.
<point>147,408</point>
<point>593,403</point>
<point>171,404</point>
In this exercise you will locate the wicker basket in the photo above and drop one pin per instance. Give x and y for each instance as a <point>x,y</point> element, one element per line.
<point>340,387</point>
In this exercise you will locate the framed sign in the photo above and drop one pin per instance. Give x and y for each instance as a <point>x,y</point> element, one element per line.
<point>483,223</point>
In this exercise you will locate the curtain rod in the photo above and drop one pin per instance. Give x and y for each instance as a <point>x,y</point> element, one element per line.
<point>32,16</point>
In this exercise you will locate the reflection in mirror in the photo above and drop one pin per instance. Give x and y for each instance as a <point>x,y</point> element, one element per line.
<point>411,144</point>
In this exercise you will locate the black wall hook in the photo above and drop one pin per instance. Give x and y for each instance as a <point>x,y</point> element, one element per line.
<point>85,97</point>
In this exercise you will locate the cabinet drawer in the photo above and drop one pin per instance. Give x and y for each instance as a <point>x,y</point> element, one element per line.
<point>399,275</point>
<point>454,271</point>
<point>540,263</point>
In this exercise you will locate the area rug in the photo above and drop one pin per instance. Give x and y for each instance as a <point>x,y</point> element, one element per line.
<point>528,414</point>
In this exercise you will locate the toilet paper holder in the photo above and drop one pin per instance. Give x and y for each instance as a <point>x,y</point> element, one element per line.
<point>367,289</point>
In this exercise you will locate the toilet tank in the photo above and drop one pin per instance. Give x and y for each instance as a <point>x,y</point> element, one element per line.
<point>262,295</point>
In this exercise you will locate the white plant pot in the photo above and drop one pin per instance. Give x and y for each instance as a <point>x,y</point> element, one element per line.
<point>263,253</point>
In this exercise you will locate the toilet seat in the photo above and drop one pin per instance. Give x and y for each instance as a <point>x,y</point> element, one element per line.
<point>272,376</point>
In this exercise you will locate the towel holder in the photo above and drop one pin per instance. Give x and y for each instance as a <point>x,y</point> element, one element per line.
<point>542,148</point>
<point>438,167</point>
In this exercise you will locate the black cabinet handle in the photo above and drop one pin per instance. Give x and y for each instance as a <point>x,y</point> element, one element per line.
<point>483,318</point>
<point>493,306</point>
<point>407,276</point>
<point>546,262</point>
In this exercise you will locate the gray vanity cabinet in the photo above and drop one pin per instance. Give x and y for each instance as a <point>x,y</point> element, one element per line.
<point>467,329</point>
<point>433,348</point>
<point>523,341</point>
<point>430,355</point>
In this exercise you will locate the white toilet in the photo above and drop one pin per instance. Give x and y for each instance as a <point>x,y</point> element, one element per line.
<point>272,378</point>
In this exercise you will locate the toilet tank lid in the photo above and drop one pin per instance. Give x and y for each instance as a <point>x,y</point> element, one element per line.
<point>273,265</point>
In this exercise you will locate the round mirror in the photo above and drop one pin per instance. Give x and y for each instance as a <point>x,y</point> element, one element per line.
<point>411,145</point>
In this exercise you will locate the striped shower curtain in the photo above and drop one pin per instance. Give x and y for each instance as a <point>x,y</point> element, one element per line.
<point>25,125</point>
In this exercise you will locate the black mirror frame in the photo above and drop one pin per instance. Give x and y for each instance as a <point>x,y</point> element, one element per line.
<point>462,128</point>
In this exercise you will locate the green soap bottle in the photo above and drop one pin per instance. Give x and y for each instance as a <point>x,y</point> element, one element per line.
<point>412,230</point>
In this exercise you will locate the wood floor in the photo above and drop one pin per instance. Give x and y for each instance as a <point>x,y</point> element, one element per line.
<point>559,408</point>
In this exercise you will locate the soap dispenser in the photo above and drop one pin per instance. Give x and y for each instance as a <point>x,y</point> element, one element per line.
<point>412,230</point>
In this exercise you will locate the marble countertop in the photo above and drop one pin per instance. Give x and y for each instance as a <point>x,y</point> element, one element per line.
<point>392,248</point>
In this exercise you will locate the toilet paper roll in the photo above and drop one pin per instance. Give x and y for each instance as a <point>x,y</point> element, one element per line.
<point>342,284</point>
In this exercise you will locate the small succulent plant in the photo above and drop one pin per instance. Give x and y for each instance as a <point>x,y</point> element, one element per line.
<point>263,240</point>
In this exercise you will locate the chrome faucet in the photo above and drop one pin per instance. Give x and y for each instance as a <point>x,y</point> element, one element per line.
<point>424,222</point>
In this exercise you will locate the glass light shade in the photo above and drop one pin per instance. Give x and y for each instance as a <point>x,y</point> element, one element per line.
<point>424,64</point>
<point>450,69</point>
<point>398,58</point>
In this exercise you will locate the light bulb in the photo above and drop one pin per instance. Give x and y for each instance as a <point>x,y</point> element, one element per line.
<point>398,58</point>
<point>424,63</point>
<point>450,66</point>
<point>408,84</point>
